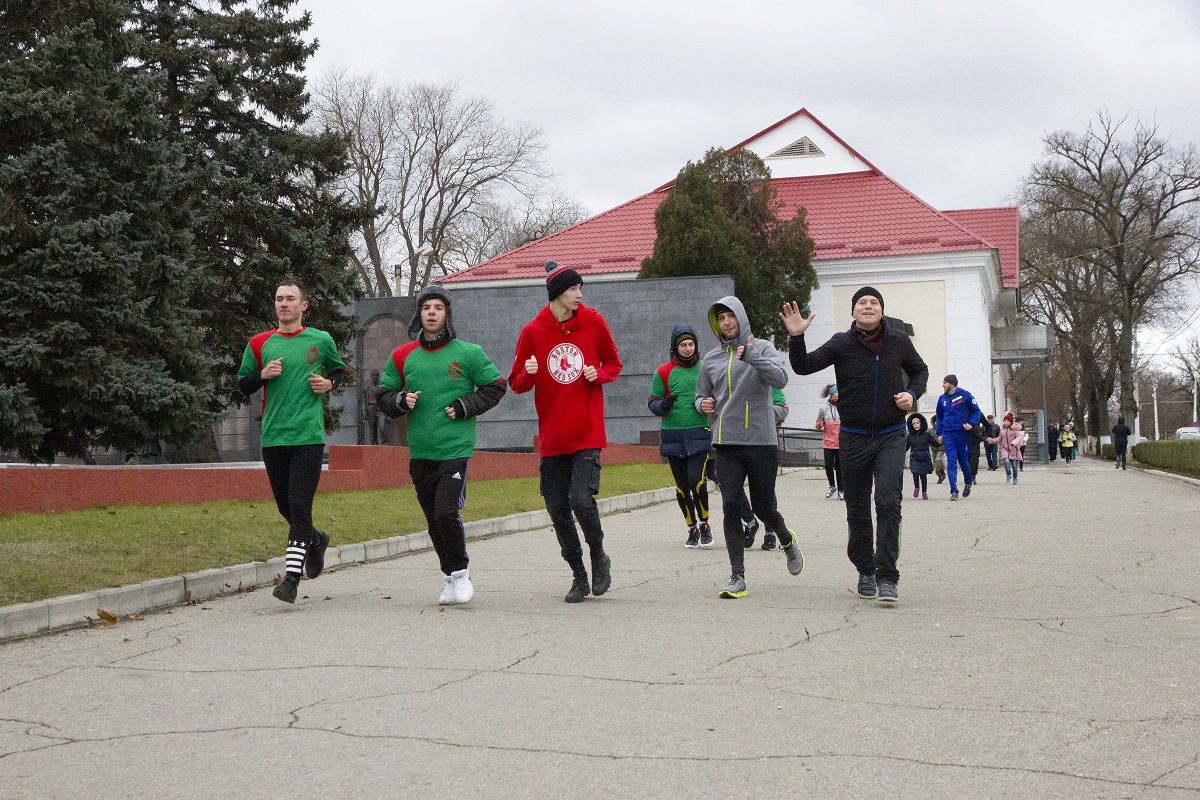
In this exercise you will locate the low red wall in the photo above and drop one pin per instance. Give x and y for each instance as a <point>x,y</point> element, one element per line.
<point>41,489</point>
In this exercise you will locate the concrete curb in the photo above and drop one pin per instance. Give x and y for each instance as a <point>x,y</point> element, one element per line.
<point>77,610</point>
<point>1172,476</point>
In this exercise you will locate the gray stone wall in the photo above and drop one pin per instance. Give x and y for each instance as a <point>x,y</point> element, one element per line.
<point>641,314</point>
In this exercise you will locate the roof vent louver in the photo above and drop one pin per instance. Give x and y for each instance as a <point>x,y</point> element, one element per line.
<point>803,148</point>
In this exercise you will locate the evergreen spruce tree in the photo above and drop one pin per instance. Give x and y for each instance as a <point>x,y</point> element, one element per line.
<point>260,186</point>
<point>155,185</point>
<point>98,343</point>
<point>721,218</point>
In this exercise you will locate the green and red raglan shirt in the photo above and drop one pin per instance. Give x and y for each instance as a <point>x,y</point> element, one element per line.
<point>292,413</point>
<point>673,380</point>
<point>442,376</point>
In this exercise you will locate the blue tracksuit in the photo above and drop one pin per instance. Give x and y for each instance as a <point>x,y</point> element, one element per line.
<point>953,411</point>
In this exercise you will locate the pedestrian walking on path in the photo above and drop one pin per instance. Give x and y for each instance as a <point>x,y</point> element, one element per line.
<point>991,443</point>
<point>565,355</point>
<point>919,443</point>
<point>442,383</point>
<point>829,423</point>
<point>294,366</point>
<point>1120,437</point>
<point>685,439</point>
<point>1066,443</point>
<point>880,376</point>
<point>734,389</point>
<point>1011,434</point>
<point>957,415</point>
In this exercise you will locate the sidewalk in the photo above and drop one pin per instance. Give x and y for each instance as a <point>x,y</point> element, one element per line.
<point>1045,645</point>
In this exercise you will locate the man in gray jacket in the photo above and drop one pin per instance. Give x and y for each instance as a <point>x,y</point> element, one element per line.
<point>734,389</point>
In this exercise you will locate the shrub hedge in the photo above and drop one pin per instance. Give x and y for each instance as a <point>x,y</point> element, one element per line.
<point>1174,455</point>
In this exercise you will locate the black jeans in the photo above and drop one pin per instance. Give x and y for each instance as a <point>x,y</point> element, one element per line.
<point>442,491</point>
<point>294,471</point>
<point>878,460</point>
<point>833,467</point>
<point>993,455</point>
<point>569,483</point>
<point>755,464</point>
<point>691,487</point>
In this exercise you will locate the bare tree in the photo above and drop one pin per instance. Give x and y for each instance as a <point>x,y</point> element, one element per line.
<point>1131,207</point>
<point>439,169</point>
<point>494,228</point>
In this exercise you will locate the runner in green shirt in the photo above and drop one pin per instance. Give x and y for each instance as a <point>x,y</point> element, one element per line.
<point>442,383</point>
<point>294,366</point>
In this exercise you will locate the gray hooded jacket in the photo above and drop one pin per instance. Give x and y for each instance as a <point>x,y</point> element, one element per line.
<point>740,387</point>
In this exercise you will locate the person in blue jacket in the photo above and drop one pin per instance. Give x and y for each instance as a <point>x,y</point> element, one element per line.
<point>957,414</point>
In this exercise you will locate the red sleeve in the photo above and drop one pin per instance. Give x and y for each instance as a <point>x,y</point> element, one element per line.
<point>257,342</point>
<point>610,360</point>
<point>519,380</point>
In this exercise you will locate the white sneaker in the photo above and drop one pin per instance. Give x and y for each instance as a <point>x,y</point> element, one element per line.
<point>830,493</point>
<point>448,597</point>
<point>841,495</point>
<point>463,590</point>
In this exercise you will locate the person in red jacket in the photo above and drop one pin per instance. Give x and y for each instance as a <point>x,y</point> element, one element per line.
<point>566,354</point>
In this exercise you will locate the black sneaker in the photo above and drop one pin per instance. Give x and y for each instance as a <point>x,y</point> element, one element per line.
<point>286,590</point>
<point>749,529</point>
<point>941,478</point>
<point>769,542</point>
<point>967,490</point>
<point>601,575</point>
<point>866,585</point>
<point>693,539</point>
<point>705,535</point>
<point>314,560</point>
<point>954,495</point>
<point>887,592</point>
<point>579,589</point>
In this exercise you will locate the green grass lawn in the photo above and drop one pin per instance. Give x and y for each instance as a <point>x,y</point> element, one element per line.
<point>49,555</point>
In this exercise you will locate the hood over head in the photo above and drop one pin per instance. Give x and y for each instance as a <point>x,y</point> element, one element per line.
<point>432,290</point>
<point>733,304</point>
<point>682,332</point>
<point>924,423</point>
<point>1120,420</point>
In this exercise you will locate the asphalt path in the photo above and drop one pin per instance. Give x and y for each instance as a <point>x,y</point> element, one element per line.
<point>1045,644</point>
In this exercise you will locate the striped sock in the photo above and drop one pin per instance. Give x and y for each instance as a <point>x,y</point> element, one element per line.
<point>295,558</point>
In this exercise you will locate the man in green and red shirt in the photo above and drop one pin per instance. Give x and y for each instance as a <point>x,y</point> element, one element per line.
<point>442,383</point>
<point>294,366</point>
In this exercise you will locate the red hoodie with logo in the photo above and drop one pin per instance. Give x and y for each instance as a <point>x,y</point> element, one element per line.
<point>570,408</point>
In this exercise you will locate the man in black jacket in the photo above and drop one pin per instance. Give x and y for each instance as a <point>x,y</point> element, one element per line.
<point>880,377</point>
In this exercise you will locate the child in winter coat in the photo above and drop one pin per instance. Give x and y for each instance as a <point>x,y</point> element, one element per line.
<point>1066,443</point>
<point>920,443</point>
<point>1011,435</point>
<point>829,423</point>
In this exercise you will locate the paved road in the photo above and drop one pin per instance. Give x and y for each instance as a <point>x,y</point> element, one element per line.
<point>1046,645</point>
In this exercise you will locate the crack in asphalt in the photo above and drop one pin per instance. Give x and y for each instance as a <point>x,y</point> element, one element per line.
<point>1155,783</point>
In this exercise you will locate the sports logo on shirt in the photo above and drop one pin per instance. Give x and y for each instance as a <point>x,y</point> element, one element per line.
<point>565,363</point>
<point>454,370</point>
<point>313,355</point>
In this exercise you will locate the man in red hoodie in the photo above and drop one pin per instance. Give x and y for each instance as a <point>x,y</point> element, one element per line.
<point>565,354</point>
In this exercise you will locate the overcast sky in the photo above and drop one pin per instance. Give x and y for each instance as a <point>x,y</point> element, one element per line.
<point>951,99</point>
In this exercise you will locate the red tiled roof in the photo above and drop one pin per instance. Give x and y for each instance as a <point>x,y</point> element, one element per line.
<point>1002,228</point>
<point>850,215</point>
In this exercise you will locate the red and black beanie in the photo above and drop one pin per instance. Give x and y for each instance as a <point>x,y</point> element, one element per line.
<point>560,278</point>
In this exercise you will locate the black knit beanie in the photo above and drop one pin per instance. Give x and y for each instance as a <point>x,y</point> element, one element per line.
<point>863,292</point>
<point>951,379</point>
<point>560,278</point>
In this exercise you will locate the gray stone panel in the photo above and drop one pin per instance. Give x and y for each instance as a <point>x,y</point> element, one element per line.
<point>641,314</point>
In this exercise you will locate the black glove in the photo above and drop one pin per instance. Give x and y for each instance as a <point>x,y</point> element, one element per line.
<point>667,403</point>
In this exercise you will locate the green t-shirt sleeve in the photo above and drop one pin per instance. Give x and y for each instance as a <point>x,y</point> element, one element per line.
<point>483,371</point>
<point>656,386</point>
<point>329,355</point>
<point>391,376</point>
<point>777,397</point>
<point>249,364</point>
